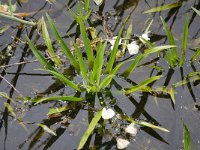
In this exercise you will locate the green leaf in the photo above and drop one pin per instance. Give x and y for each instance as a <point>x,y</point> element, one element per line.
<point>81,62</point>
<point>184,43</point>
<point>98,64</point>
<point>10,109</point>
<point>171,40</point>
<point>40,58</point>
<point>58,110</point>
<point>106,81</point>
<point>114,51</point>
<point>49,44</point>
<point>196,54</point>
<point>187,140</point>
<point>157,49</point>
<point>47,129</point>
<point>66,81</point>
<point>87,44</point>
<point>2,94</point>
<point>62,44</point>
<point>197,11</point>
<point>56,98</point>
<point>127,37</point>
<point>98,2</point>
<point>87,4</point>
<point>90,129</point>
<point>132,67</point>
<point>109,78</point>
<point>146,124</point>
<point>141,85</point>
<point>164,7</point>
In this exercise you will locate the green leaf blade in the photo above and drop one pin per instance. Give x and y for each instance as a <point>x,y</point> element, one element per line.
<point>184,43</point>
<point>62,44</point>
<point>49,44</point>
<point>141,85</point>
<point>90,129</point>
<point>56,98</point>
<point>164,7</point>
<point>39,56</point>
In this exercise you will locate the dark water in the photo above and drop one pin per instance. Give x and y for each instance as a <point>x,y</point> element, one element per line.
<point>71,126</point>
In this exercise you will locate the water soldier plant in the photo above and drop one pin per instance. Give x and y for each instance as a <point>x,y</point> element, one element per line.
<point>96,72</point>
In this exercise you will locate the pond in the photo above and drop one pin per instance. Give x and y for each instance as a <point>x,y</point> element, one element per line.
<point>20,77</point>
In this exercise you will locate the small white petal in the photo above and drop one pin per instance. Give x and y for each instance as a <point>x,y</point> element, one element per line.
<point>131,129</point>
<point>122,143</point>
<point>133,48</point>
<point>107,113</point>
<point>112,41</point>
<point>111,47</point>
<point>145,36</point>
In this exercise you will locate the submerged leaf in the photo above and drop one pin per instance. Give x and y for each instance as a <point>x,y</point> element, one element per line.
<point>164,7</point>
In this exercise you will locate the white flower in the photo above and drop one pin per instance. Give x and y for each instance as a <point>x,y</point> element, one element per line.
<point>133,48</point>
<point>107,113</point>
<point>145,36</point>
<point>112,41</point>
<point>122,143</point>
<point>131,129</point>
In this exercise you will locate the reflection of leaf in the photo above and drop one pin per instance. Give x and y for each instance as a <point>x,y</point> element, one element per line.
<point>47,129</point>
<point>90,128</point>
<point>164,7</point>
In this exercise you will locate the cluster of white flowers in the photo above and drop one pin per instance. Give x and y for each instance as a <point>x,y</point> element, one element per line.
<point>122,143</point>
<point>133,47</point>
<point>131,129</point>
<point>107,113</point>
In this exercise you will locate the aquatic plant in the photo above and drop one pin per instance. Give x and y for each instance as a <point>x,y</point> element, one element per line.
<point>96,72</point>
